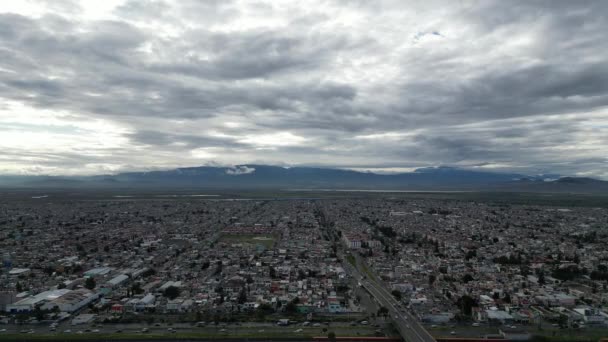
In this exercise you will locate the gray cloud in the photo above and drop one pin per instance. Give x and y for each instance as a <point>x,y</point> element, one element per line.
<point>504,85</point>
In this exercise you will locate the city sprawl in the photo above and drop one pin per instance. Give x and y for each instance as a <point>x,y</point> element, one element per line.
<point>453,267</point>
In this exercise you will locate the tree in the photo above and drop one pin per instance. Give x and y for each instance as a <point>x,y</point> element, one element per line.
<point>218,267</point>
<point>567,273</point>
<point>396,294</point>
<point>90,283</point>
<point>382,311</point>
<point>466,304</point>
<point>38,313</point>
<point>432,279</point>
<point>19,287</point>
<point>242,296</point>
<point>148,272</point>
<point>541,278</point>
<point>331,336</point>
<point>467,278</point>
<point>291,307</point>
<point>263,310</point>
<point>172,292</point>
<point>136,288</point>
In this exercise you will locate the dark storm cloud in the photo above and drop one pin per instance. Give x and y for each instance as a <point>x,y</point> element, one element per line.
<point>496,84</point>
<point>157,138</point>
<point>255,54</point>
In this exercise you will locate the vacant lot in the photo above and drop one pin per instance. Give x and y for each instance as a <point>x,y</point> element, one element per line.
<point>253,239</point>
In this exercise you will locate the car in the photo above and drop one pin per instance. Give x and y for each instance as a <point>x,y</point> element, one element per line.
<point>513,327</point>
<point>452,332</point>
<point>145,330</point>
<point>475,324</point>
<point>223,330</point>
<point>316,325</point>
<point>157,324</point>
<point>95,330</point>
<point>298,331</point>
<point>364,322</point>
<point>434,326</point>
<point>2,330</point>
<point>118,331</point>
<point>307,323</point>
<point>200,324</point>
<point>67,331</point>
<point>23,331</point>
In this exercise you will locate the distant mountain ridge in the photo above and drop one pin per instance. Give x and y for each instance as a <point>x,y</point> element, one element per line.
<point>253,176</point>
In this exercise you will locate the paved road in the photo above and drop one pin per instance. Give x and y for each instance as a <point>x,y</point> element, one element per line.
<point>406,324</point>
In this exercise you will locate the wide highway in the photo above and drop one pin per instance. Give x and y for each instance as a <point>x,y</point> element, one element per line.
<point>408,326</point>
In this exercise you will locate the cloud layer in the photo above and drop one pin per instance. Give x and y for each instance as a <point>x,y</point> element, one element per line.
<point>133,85</point>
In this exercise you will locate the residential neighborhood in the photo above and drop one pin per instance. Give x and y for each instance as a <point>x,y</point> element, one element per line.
<point>451,264</point>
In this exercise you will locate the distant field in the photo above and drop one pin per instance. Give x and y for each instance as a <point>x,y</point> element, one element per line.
<point>252,239</point>
<point>499,198</point>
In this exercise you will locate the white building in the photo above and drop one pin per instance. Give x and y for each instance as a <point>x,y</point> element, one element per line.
<point>591,316</point>
<point>118,280</point>
<point>29,303</point>
<point>72,300</point>
<point>352,241</point>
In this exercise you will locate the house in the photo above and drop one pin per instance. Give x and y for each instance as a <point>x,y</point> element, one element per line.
<point>333,305</point>
<point>140,304</point>
<point>591,316</point>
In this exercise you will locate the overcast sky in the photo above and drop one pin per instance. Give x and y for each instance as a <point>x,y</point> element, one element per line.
<point>90,87</point>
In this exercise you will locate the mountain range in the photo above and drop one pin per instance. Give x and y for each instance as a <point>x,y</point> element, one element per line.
<point>277,177</point>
